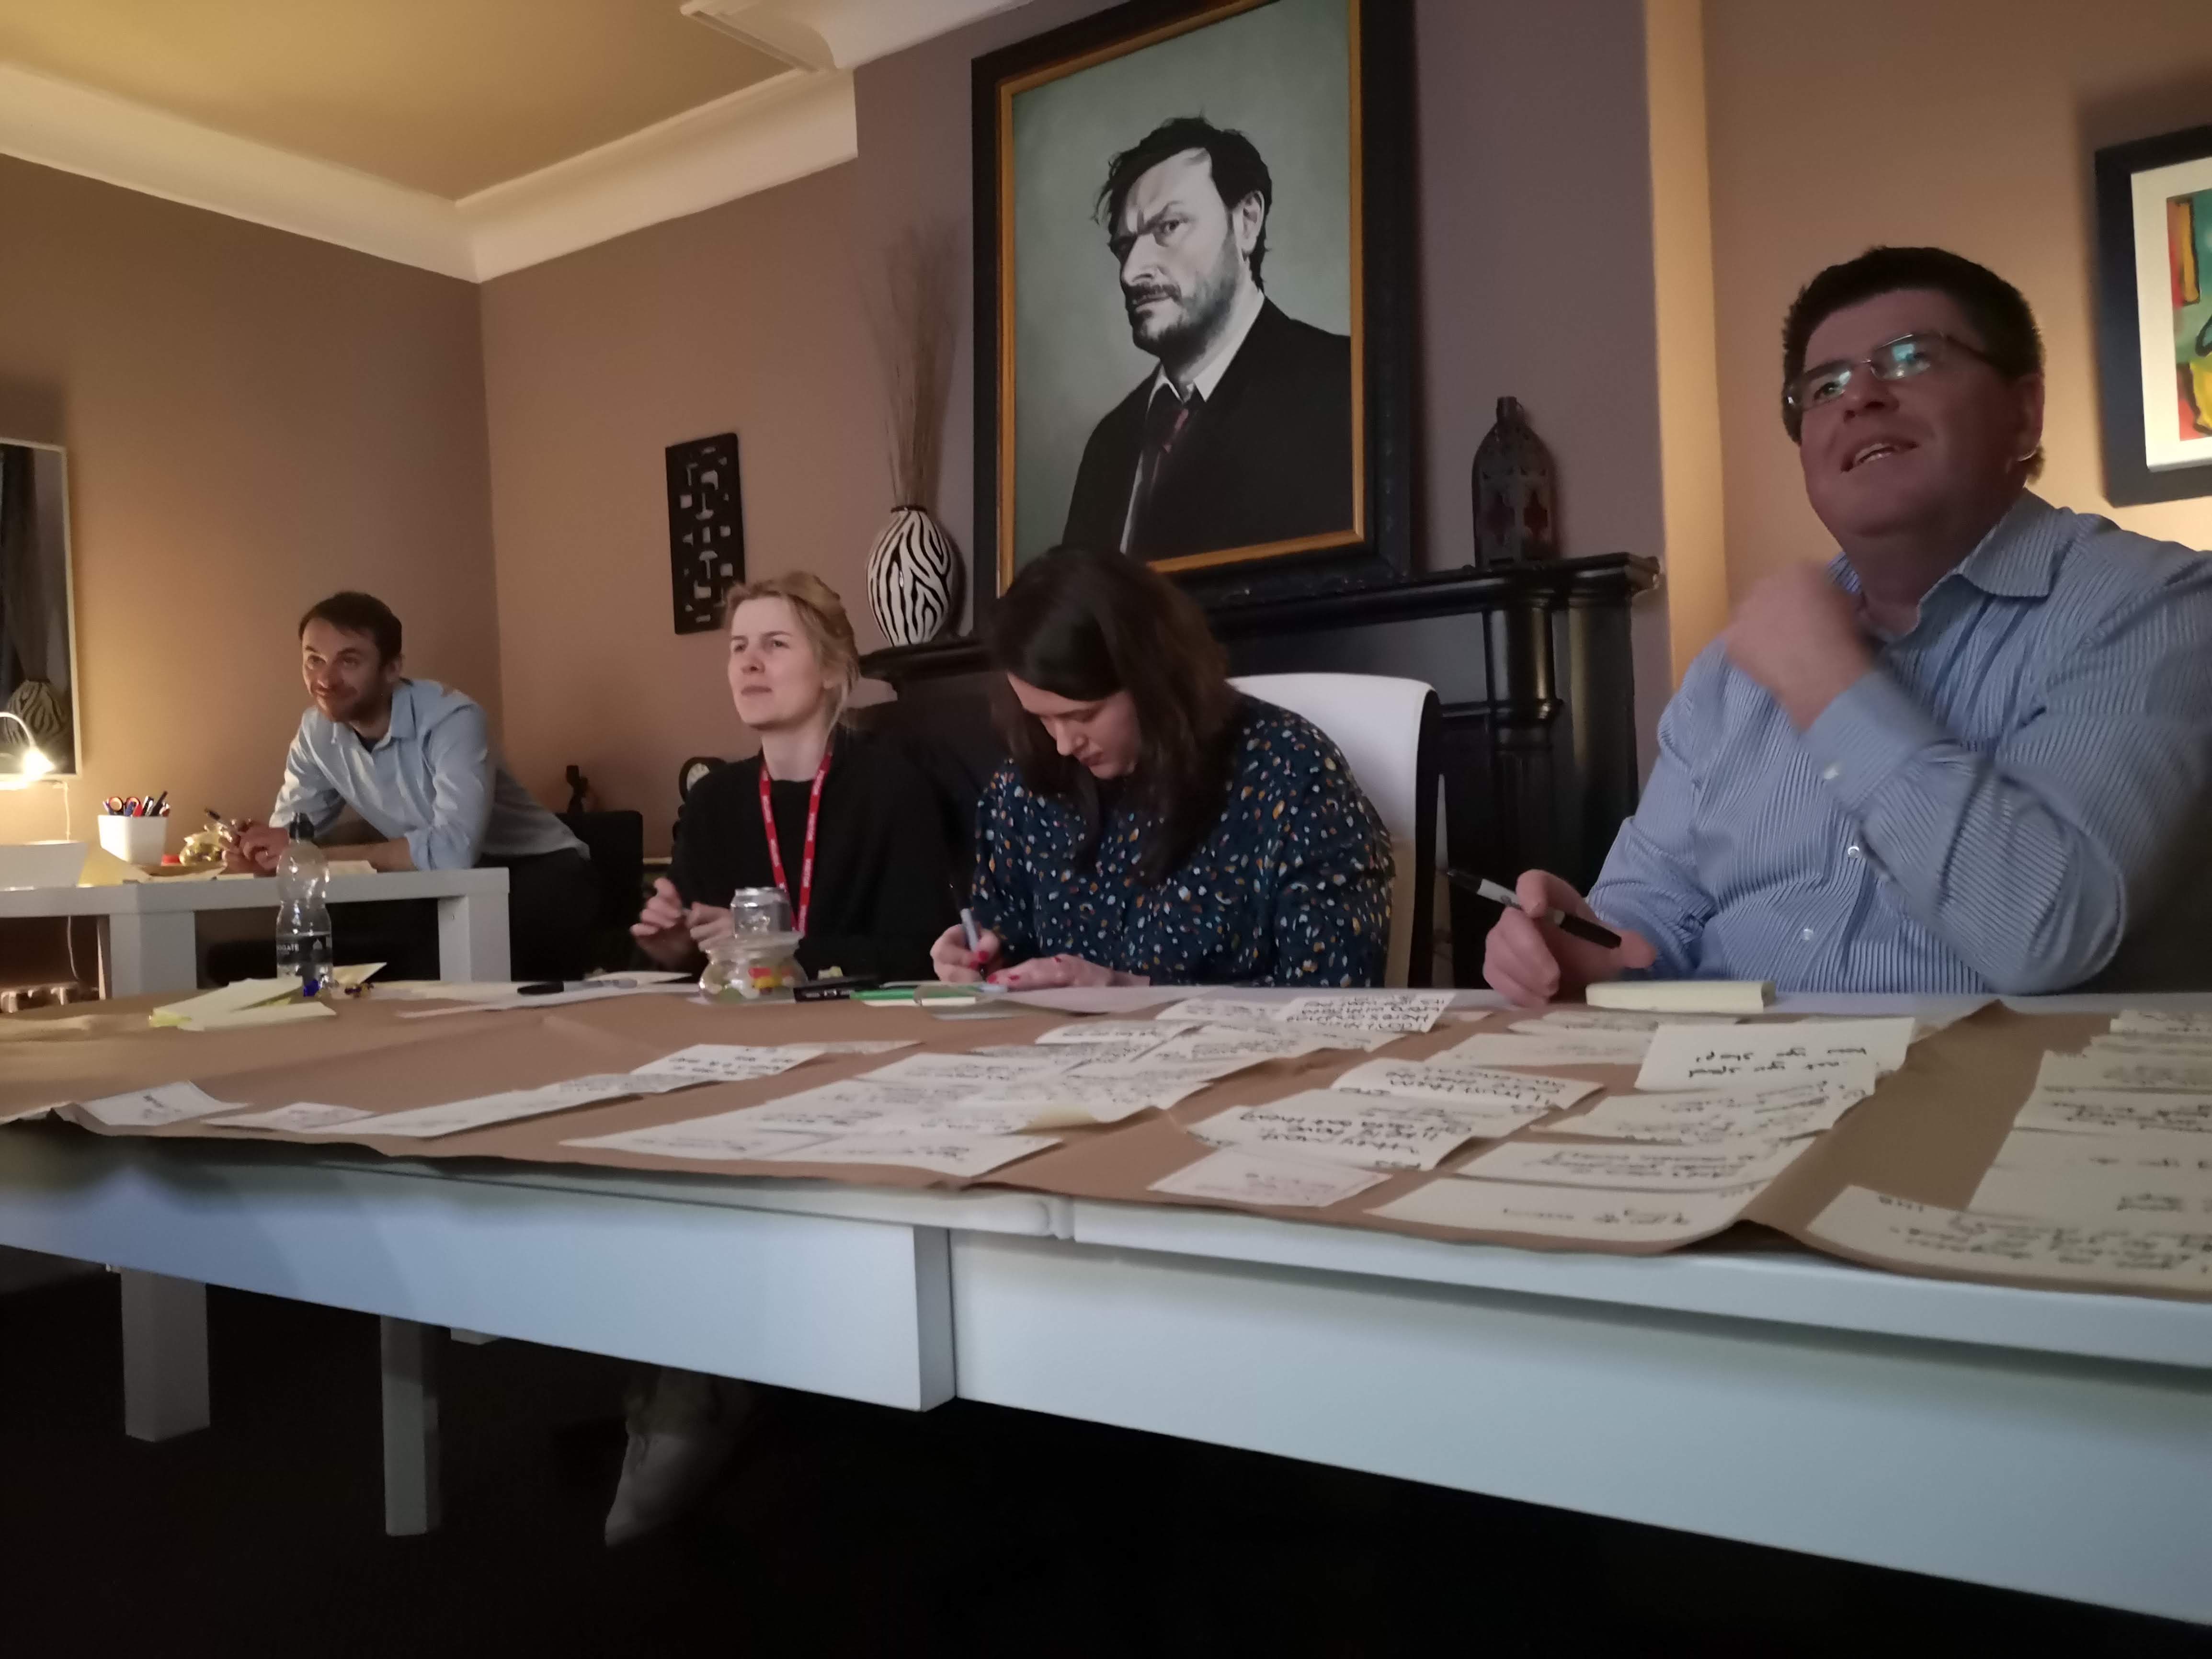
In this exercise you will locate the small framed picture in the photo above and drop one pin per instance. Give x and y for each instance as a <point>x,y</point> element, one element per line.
<point>2155,316</point>
<point>1193,299</point>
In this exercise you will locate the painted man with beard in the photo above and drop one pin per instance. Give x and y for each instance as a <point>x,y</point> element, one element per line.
<point>1243,435</point>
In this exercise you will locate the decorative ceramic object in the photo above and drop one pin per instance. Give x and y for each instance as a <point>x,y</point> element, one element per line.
<point>1517,510</point>
<point>914,578</point>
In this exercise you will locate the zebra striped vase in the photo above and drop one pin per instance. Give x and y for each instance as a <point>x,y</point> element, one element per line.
<point>914,578</point>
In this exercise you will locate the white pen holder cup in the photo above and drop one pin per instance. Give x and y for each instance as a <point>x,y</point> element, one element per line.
<point>134,840</point>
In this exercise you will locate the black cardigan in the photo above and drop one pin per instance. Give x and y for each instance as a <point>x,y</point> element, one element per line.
<point>883,874</point>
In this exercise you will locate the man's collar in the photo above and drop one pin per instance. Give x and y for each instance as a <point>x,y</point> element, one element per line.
<point>1250,302</point>
<point>401,724</point>
<point>2016,559</point>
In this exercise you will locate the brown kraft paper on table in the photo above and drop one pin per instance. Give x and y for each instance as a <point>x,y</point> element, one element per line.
<point>1931,1132</point>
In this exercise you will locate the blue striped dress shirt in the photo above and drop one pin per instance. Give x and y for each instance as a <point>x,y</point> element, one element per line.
<point>2014,800</point>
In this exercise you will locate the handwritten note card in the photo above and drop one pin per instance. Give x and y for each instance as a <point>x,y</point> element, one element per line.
<point>1483,1090</point>
<point>1704,1057</point>
<point>303,1118</point>
<point>1610,1020</point>
<point>1700,1117</point>
<point>1587,1047</point>
<point>1396,1011</point>
<point>1072,1098</point>
<point>962,1155</point>
<point>1238,1175</point>
<point>1340,1128</point>
<point>1198,1044</point>
<point>1577,1212</point>
<point>508,1106</point>
<point>729,1062</point>
<point>151,1108</point>
<point>2094,1197</point>
<point>1927,1235</point>
<point>973,1071</point>
<point>2160,1022</point>
<point>726,1137</point>
<point>1120,1033</point>
<point>2182,1075</point>
<point>1643,1168</point>
<point>2113,1111</point>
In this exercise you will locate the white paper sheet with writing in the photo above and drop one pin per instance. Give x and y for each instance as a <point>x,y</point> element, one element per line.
<point>2148,1150</point>
<point>2115,1111</point>
<point>2149,1072</point>
<point>508,1106</point>
<point>1199,1044</point>
<point>1610,1020</point>
<point>860,1046</point>
<point>2192,1046</point>
<point>730,1062</point>
<point>1224,1009</point>
<point>1926,1235</point>
<point>1588,1048</point>
<point>963,1155</point>
<point>151,1108</point>
<point>1708,1057</point>
<point>1119,1033</point>
<point>1485,1091</point>
<point>2168,1200</point>
<point>1336,1127</point>
<point>975,1072</point>
<point>1643,1167</point>
<point>726,1137</point>
<point>859,1104</point>
<point>1586,1213</point>
<point>1238,1175</point>
<point>1700,1117</point>
<point>2157,1021</point>
<point>1402,1012</point>
<point>1070,1098</point>
<point>302,1117</point>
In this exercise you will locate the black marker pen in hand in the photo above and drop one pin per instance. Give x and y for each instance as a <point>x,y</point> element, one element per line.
<point>1574,926</point>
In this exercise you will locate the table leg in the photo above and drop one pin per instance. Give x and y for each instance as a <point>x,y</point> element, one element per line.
<point>473,937</point>
<point>152,952</point>
<point>165,1364</point>
<point>411,1353</point>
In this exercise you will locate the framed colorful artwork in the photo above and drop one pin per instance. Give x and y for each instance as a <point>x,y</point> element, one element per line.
<point>1193,306</point>
<point>2155,316</point>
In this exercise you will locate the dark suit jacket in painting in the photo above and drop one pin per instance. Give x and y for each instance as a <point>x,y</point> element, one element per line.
<point>1268,458</point>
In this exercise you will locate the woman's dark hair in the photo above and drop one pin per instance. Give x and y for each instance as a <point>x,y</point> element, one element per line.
<point>1085,625</point>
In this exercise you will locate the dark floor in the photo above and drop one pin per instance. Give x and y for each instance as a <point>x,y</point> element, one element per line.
<point>845,1529</point>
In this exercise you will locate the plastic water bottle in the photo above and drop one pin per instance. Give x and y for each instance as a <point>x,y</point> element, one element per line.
<point>303,919</point>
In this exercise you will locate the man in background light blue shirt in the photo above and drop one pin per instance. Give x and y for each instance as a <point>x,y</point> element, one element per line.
<point>1973,753</point>
<point>415,762</point>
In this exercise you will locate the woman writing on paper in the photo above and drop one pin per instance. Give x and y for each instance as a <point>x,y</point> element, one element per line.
<point>878,886</point>
<point>1154,825</point>
<point>874,893</point>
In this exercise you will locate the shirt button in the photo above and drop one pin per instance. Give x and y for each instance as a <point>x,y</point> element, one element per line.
<point>1852,851</point>
<point>1831,772</point>
<point>1806,933</point>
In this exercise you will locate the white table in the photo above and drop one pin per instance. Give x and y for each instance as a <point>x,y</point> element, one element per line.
<point>150,928</point>
<point>2055,1442</point>
<point>150,941</point>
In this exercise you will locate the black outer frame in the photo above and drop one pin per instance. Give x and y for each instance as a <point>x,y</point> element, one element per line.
<point>2128,481</point>
<point>1388,187</point>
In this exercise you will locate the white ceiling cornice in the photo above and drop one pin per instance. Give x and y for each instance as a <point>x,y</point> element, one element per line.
<point>76,130</point>
<point>767,134</point>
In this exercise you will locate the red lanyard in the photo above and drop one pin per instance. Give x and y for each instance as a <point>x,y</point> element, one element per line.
<point>775,852</point>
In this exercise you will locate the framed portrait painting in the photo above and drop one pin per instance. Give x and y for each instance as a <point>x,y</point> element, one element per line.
<point>2155,316</point>
<point>1193,307</point>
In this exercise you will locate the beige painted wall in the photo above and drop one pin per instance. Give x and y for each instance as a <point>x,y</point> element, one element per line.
<point>1534,279</point>
<point>742,319</point>
<point>1967,124</point>
<point>252,420</point>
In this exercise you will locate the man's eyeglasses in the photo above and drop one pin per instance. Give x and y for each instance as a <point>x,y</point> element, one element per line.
<point>1896,360</point>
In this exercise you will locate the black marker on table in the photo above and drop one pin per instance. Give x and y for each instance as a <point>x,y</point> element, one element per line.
<point>1577,927</point>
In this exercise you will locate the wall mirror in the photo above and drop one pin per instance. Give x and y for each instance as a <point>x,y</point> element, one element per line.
<point>37,629</point>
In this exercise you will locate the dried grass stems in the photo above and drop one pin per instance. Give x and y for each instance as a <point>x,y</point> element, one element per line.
<point>913,316</point>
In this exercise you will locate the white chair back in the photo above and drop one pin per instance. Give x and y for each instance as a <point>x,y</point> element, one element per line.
<point>1386,729</point>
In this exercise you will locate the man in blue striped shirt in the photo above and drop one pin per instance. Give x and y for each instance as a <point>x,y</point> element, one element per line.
<point>1973,753</point>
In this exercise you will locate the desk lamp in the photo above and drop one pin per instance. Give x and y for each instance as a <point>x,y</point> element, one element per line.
<point>35,764</point>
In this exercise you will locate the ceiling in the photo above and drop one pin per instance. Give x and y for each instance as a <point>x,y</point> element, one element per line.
<point>447,97</point>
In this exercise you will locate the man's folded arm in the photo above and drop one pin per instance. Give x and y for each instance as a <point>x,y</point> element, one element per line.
<point>2031,863</point>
